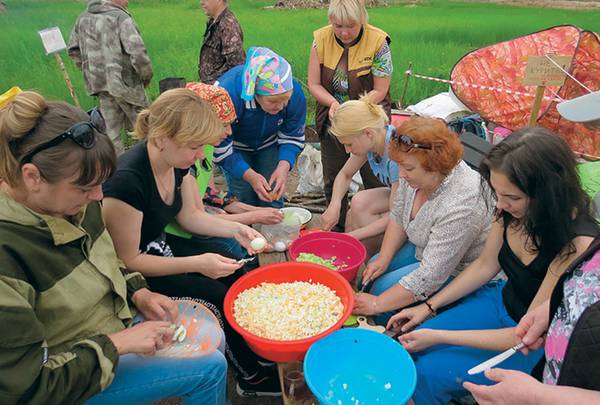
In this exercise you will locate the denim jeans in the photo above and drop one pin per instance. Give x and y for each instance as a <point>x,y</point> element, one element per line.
<point>262,161</point>
<point>197,245</point>
<point>441,369</point>
<point>403,263</point>
<point>145,379</point>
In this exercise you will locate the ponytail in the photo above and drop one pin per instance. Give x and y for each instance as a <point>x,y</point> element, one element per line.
<point>354,116</point>
<point>19,117</point>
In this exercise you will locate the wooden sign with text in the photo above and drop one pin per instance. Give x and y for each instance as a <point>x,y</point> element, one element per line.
<point>540,71</point>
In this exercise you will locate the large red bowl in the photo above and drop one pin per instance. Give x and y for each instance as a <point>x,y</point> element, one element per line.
<point>290,350</point>
<point>347,250</point>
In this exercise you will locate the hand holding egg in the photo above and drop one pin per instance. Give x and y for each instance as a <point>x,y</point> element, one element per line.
<point>258,244</point>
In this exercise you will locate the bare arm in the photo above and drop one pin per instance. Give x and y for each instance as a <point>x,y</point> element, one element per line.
<point>515,387</point>
<point>377,227</point>
<point>557,268</point>
<point>561,395</point>
<point>340,187</point>
<point>195,220</point>
<point>124,223</point>
<point>381,86</point>
<point>488,339</point>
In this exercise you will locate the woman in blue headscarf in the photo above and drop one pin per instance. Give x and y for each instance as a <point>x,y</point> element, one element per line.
<point>269,132</point>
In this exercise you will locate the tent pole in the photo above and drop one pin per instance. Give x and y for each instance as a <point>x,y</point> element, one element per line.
<point>537,102</point>
<point>406,77</point>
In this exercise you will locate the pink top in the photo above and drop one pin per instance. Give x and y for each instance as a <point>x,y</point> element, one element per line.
<point>581,289</point>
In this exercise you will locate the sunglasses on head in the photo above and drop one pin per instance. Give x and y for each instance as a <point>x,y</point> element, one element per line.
<point>407,143</point>
<point>82,134</point>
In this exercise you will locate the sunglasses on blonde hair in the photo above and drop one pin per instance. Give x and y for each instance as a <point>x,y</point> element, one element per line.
<point>82,133</point>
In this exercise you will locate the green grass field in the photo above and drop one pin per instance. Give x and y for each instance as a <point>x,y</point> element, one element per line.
<point>433,35</point>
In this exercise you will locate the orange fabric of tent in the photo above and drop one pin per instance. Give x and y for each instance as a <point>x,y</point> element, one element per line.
<point>503,66</point>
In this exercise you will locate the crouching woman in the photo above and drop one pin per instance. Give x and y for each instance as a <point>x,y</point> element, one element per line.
<point>66,305</point>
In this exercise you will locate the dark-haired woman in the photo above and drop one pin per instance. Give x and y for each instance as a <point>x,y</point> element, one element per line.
<point>542,224</point>
<point>66,305</point>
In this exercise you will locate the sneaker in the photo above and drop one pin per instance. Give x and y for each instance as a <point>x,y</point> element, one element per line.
<point>262,384</point>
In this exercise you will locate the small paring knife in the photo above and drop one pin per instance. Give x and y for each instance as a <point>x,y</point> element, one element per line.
<point>247,260</point>
<point>494,361</point>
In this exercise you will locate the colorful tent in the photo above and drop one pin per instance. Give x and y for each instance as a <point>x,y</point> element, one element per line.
<point>502,66</point>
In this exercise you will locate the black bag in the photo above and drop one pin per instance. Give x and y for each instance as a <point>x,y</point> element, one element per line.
<point>475,147</point>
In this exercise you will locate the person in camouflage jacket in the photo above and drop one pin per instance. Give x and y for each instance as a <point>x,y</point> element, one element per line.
<point>223,44</point>
<point>106,45</point>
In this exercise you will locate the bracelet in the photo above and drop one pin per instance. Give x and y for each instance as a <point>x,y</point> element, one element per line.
<point>433,311</point>
<point>375,305</point>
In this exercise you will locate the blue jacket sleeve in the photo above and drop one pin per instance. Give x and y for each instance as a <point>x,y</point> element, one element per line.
<point>290,137</point>
<point>229,160</point>
<point>225,156</point>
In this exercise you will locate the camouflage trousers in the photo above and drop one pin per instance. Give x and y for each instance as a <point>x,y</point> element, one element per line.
<point>118,114</point>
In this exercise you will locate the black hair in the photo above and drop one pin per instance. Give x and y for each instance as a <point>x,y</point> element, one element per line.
<point>542,166</point>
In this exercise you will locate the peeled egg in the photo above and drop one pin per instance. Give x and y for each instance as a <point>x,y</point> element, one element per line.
<point>280,246</point>
<point>258,244</point>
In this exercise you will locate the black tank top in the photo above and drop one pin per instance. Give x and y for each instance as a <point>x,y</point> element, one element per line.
<point>524,281</point>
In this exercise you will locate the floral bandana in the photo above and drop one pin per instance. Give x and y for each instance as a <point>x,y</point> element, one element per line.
<point>265,73</point>
<point>218,98</point>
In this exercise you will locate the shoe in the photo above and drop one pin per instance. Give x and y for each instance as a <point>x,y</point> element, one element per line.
<point>262,384</point>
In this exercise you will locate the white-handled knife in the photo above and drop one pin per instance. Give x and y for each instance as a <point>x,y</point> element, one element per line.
<point>496,359</point>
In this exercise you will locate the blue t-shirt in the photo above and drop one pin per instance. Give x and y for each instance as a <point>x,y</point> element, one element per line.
<point>384,168</point>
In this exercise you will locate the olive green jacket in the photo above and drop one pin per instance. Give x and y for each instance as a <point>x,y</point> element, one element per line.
<point>62,291</point>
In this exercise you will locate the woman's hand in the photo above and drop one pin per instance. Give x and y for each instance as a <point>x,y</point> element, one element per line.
<point>330,217</point>
<point>259,184</point>
<point>278,179</point>
<point>143,338</point>
<point>333,107</point>
<point>267,216</point>
<point>244,235</point>
<point>533,326</point>
<point>365,304</point>
<point>215,266</point>
<point>374,269</point>
<point>420,339</point>
<point>408,318</point>
<point>513,387</point>
<point>155,307</point>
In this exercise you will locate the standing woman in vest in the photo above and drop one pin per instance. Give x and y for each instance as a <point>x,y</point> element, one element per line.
<point>348,58</point>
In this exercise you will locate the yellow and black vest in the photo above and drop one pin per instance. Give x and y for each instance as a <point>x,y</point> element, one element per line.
<point>360,62</point>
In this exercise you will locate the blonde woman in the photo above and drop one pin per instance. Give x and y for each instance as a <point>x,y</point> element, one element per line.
<point>151,188</point>
<point>362,127</point>
<point>349,57</point>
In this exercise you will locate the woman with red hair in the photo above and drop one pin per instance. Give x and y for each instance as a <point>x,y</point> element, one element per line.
<point>438,224</point>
